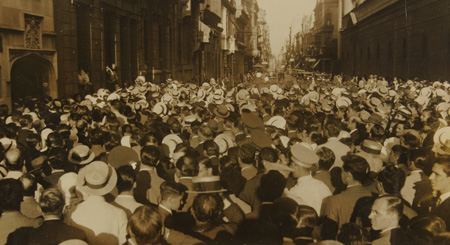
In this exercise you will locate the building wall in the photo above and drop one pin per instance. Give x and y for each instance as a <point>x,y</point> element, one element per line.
<point>390,43</point>
<point>14,30</point>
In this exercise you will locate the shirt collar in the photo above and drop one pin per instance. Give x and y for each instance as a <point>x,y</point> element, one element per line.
<point>444,196</point>
<point>245,167</point>
<point>388,229</point>
<point>349,186</point>
<point>304,178</point>
<point>145,167</point>
<point>51,218</point>
<point>165,208</point>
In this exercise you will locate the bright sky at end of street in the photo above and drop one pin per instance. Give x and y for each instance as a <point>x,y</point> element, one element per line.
<point>281,14</point>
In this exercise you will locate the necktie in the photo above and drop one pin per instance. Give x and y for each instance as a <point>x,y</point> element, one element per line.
<point>438,202</point>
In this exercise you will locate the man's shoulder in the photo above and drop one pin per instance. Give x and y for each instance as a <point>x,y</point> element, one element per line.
<point>358,191</point>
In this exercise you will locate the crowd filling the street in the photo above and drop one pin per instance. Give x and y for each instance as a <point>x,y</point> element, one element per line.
<point>281,159</point>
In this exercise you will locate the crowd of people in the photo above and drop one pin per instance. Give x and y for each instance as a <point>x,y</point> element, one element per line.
<point>308,161</point>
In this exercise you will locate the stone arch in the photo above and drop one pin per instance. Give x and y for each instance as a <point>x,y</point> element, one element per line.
<point>29,73</point>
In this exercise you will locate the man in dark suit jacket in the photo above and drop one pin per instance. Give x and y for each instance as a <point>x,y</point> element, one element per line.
<point>440,180</point>
<point>53,230</point>
<point>337,210</point>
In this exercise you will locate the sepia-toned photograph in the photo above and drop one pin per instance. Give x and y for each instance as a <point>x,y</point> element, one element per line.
<point>187,122</point>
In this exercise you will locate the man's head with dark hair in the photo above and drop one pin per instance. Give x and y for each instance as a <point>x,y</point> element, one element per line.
<point>210,148</point>
<point>332,128</point>
<point>285,214</point>
<point>145,225</point>
<point>57,158</point>
<point>13,160</point>
<point>377,132</point>
<point>386,212</point>
<point>392,179</point>
<point>351,233</point>
<point>267,154</point>
<point>410,141</point>
<point>326,158</point>
<point>272,186</point>
<point>149,139</point>
<point>207,207</point>
<point>11,194</point>
<point>356,166</point>
<point>172,194</point>
<point>26,121</point>
<point>11,130</point>
<point>126,177</point>
<point>440,176</point>
<point>52,202</point>
<point>150,155</point>
<point>418,158</point>
<point>247,154</point>
<point>29,183</point>
<point>187,166</point>
<point>232,179</point>
<point>426,227</point>
<point>97,136</point>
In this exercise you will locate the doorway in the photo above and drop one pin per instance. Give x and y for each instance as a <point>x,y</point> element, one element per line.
<point>30,76</point>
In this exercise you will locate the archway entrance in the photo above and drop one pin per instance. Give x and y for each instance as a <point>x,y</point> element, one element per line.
<point>30,76</point>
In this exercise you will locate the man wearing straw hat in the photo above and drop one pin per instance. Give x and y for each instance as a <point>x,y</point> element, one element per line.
<point>102,222</point>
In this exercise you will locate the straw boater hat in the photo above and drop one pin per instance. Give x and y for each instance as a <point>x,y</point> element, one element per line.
<point>80,155</point>
<point>221,111</point>
<point>277,122</point>
<point>160,108</point>
<point>97,178</point>
<point>167,98</point>
<point>201,94</point>
<point>172,140</point>
<point>343,102</point>
<point>224,141</point>
<point>442,141</point>
<point>371,147</point>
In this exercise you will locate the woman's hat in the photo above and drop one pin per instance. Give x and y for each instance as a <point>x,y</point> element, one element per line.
<point>97,178</point>
<point>208,184</point>
<point>81,155</point>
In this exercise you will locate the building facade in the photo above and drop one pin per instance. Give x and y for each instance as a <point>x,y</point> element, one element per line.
<point>28,60</point>
<point>397,38</point>
<point>45,44</point>
<point>326,27</point>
